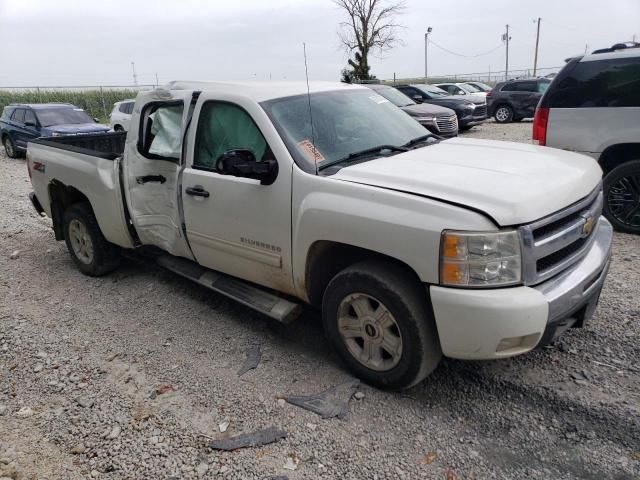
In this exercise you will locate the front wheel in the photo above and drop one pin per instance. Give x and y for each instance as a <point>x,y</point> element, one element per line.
<point>10,147</point>
<point>90,251</point>
<point>377,317</point>
<point>622,197</point>
<point>504,114</point>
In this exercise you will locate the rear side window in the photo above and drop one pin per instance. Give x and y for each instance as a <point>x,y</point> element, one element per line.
<point>123,108</point>
<point>161,134</point>
<point>18,115</point>
<point>600,83</point>
<point>130,108</point>
<point>510,87</point>
<point>29,116</point>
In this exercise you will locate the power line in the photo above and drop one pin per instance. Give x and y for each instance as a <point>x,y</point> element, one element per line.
<point>462,55</point>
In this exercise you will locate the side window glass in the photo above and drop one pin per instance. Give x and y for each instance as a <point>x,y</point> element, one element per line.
<point>510,87</point>
<point>600,83</point>
<point>162,131</point>
<point>528,87</point>
<point>30,117</point>
<point>123,108</point>
<point>130,108</point>
<point>222,127</point>
<point>18,116</point>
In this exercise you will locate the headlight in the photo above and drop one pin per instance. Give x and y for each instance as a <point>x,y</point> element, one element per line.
<point>480,259</point>
<point>425,119</point>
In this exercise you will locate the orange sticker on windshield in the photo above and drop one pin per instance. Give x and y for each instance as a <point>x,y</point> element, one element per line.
<point>310,151</point>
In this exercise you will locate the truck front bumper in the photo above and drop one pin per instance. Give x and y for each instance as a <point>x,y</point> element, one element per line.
<point>487,324</point>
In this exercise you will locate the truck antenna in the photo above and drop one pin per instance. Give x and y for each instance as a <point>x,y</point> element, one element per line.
<point>313,137</point>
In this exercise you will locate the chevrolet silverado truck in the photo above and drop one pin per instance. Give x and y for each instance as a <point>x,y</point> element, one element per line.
<point>280,195</point>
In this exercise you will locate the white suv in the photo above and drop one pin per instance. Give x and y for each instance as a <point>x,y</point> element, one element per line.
<point>121,115</point>
<point>593,107</point>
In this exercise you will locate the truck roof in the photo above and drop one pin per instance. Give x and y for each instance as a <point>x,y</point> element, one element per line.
<point>261,91</point>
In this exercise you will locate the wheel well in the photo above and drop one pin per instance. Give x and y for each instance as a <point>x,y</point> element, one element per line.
<point>62,197</point>
<point>616,155</point>
<point>325,259</point>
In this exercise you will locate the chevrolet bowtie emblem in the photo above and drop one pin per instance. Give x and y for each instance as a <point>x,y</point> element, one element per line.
<point>588,226</point>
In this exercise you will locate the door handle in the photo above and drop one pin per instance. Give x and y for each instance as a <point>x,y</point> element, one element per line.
<point>196,191</point>
<point>150,178</point>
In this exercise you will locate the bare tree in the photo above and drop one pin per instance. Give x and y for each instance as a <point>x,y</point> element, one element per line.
<point>371,28</point>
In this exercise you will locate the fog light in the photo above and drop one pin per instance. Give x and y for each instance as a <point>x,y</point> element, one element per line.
<point>518,343</point>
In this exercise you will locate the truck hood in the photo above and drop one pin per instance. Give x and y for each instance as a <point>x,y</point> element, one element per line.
<point>77,128</point>
<point>513,183</point>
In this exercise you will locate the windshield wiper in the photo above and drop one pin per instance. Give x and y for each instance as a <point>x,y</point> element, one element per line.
<point>364,153</point>
<point>417,140</point>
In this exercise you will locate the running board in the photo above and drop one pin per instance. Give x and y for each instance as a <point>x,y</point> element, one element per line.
<point>243,292</point>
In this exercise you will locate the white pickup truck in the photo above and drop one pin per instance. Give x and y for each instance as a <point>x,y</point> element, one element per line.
<point>276,196</point>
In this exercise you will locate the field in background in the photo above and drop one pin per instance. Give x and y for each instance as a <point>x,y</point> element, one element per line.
<point>98,103</point>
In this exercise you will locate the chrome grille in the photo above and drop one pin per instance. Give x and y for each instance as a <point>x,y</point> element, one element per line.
<point>554,243</point>
<point>447,124</point>
<point>480,111</point>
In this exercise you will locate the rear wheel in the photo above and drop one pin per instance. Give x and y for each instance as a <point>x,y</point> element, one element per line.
<point>9,147</point>
<point>503,114</point>
<point>118,128</point>
<point>622,197</point>
<point>377,317</point>
<point>91,252</point>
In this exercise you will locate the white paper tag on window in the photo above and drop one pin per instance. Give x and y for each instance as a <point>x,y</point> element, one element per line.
<point>310,151</point>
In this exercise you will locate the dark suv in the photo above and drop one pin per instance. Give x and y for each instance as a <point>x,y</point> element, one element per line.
<point>21,123</point>
<point>514,100</point>
<point>469,112</point>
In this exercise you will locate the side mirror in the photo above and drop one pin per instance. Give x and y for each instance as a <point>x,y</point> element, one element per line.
<point>417,98</point>
<point>96,119</point>
<point>241,162</point>
<point>30,124</point>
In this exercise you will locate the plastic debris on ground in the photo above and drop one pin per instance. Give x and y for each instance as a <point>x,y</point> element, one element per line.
<point>251,439</point>
<point>333,402</point>
<point>254,354</point>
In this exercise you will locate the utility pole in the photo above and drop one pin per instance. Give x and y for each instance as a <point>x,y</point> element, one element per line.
<point>506,38</point>
<point>135,77</point>
<point>426,58</point>
<point>535,60</point>
<point>157,82</point>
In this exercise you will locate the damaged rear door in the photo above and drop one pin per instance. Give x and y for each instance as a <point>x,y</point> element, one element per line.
<point>152,167</point>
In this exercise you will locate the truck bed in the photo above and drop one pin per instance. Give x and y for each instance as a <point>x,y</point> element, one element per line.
<point>104,145</point>
<point>83,165</point>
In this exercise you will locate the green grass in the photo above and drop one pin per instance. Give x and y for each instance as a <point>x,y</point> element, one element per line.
<point>97,104</point>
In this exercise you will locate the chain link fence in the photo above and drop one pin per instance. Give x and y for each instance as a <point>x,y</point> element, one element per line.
<point>490,78</point>
<point>96,100</point>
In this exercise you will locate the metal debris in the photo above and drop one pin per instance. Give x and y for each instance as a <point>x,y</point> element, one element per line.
<point>252,439</point>
<point>254,354</point>
<point>333,402</point>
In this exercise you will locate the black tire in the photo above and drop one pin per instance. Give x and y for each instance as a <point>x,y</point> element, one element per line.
<point>10,147</point>
<point>397,289</point>
<point>465,128</point>
<point>118,128</point>
<point>622,197</point>
<point>105,256</point>
<point>503,114</point>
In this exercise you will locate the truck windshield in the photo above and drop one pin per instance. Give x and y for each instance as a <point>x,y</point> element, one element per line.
<point>62,116</point>
<point>344,122</point>
<point>395,96</point>
<point>431,91</point>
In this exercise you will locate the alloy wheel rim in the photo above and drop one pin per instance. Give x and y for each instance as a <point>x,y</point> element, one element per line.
<point>502,114</point>
<point>370,332</point>
<point>623,200</point>
<point>81,241</point>
<point>8,147</point>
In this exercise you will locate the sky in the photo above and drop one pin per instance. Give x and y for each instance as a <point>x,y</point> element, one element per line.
<point>93,42</point>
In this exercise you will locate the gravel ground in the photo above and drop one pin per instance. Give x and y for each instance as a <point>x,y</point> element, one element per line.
<point>130,375</point>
